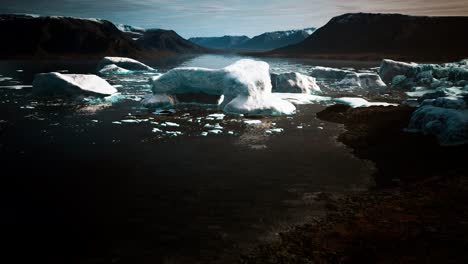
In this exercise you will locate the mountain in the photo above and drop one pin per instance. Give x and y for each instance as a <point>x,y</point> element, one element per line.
<point>277,39</point>
<point>131,31</point>
<point>377,36</point>
<point>167,40</point>
<point>54,37</point>
<point>225,42</point>
<point>263,42</point>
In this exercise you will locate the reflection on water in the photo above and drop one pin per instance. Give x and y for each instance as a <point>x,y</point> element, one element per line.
<point>100,182</point>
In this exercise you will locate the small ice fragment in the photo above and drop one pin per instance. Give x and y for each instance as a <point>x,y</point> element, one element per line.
<point>215,126</point>
<point>252,122</point>
<point>171,124</point>
<point>300,127</point>
<point>215,131</point>
<point>274,130</point>
<point>156,130</point>
<point>217,116</point>
<point>204,134</point>
<point>154,123</point>
<point>231,132</point>
<point>129,121</point>
<point>174,133</point>
<point>117,122</point>
<point>321,128</point>
<point>95,121</point>
<point>19,70</point>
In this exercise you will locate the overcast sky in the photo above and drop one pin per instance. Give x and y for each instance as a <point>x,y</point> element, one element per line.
<point>229,17</point>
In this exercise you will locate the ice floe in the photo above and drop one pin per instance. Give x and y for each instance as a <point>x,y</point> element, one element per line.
<point>245,86</point>
<point>125,63</point>
<point>293,82</point>
<point>359,102</point>
<point>71,84</point>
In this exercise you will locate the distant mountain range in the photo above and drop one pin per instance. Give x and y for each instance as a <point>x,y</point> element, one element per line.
<point>26,36</point>
<point>263,42</point>
<point>377,36</point>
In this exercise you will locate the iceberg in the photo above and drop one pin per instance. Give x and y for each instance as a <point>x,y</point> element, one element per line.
<point>293,82</point>
<point>329,73</point>
<point>125,63</point>
<point>359,102</point>
<point>363,80</point>
<point>113,69</point>
<point>245,87</point>
<point>71,84</point>
<point>450,126</point>
<point>391,68</point>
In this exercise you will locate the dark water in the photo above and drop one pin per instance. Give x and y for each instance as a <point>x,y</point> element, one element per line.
<point>79,188</point>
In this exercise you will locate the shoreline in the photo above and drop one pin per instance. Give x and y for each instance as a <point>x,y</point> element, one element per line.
<point>416,212</point>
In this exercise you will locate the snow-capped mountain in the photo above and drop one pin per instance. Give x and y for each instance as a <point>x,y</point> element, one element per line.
<point>263,42</point>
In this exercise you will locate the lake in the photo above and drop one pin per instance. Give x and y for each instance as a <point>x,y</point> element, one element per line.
<point>89,181</point>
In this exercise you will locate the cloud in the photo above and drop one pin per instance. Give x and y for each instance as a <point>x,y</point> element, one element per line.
<point>214,17</point>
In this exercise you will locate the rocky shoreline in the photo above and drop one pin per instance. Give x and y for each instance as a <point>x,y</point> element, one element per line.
<point>416,213</point>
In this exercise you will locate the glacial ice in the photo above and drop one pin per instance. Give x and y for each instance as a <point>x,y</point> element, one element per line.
<point>71,84</point>
<point>359,102</point>
<point>293,82</point>
<point>125,63</point>
<point>363,80</point>
<point>320,72</point>
<point>450,126</point>
<point>113,69</point>
<point>391,68</point>
<point>245,87</point>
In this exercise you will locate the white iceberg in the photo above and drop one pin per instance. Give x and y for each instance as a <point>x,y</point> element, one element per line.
<point>125,63</point>
<point>245,87</point>
<point>158,100</point>
<point>113,69</point>
<point>359,102</point>
<point>320,72</point>
<point>293,82</point>
<point>363,80</point>
<point>71,84</point>
<point>391,68</point>
<point>450,126</point>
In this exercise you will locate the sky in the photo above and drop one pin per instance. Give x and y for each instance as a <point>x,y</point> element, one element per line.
<point>204,18</point>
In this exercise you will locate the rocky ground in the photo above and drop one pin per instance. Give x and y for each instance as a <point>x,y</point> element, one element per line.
<point>416,214</point>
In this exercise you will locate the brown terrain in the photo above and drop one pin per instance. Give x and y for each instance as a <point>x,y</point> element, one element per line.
<point>417,212</point>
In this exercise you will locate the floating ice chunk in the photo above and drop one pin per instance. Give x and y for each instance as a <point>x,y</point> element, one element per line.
<point>204,134</point>
<point>171,124</point>
<point>158,101</point>
<point>390,68</point>
<point>95,121</point>
<point>321,128</point>
<point>450,126</point>
<point>215,126</point>
<point>359,102</point>
<point>252,122</point>
<point>217,116</point>
<point>126,63</point>
<point>299,99</point>
<point>293,82</point>
<point>71,84</point>
<point>113,69</point>
<point>156,130</point>
<point>231,132</point>
<point>329,73</point>
<point>174,133</point>
<point>244,85</point>
<point>117,122</point>
<point>15,87</point>
<point>130,121</point>
<point>274,130</point>
<point>300,127</point>
<point>2,79</point>
<point>19,70</point>
<point>215,131</point>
